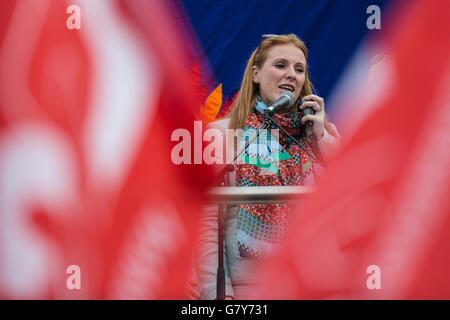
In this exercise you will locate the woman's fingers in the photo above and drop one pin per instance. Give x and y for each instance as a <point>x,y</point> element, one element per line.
<point>318,124</point>
<point>313,97</point>
<point>318,118</point>
<point>313,104</point>
<point>313,118</point>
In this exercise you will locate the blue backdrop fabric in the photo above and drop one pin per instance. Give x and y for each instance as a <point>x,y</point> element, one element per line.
<point>228,31</point>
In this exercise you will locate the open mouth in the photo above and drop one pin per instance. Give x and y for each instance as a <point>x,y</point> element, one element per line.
<point>287,87</point>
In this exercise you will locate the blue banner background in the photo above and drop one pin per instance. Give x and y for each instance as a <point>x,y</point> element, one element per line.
<point>228,31</point>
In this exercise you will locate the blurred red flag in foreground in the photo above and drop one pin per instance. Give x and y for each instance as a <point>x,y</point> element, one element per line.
<point>89,196</point>
<point>379,227</point>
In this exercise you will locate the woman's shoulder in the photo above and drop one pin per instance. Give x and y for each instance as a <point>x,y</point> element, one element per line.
<point>221,124</point>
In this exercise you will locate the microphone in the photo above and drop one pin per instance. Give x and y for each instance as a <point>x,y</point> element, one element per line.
<point>306,112</point>
<point>283,103</point>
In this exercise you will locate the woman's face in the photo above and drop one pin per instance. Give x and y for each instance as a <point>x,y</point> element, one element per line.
<point>284,69</point>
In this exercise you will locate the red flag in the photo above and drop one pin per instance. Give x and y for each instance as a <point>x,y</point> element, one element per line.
<point>379,225</point>
<point>91,203</point>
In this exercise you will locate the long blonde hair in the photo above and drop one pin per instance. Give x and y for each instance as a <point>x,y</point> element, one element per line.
<point>249,90</point>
